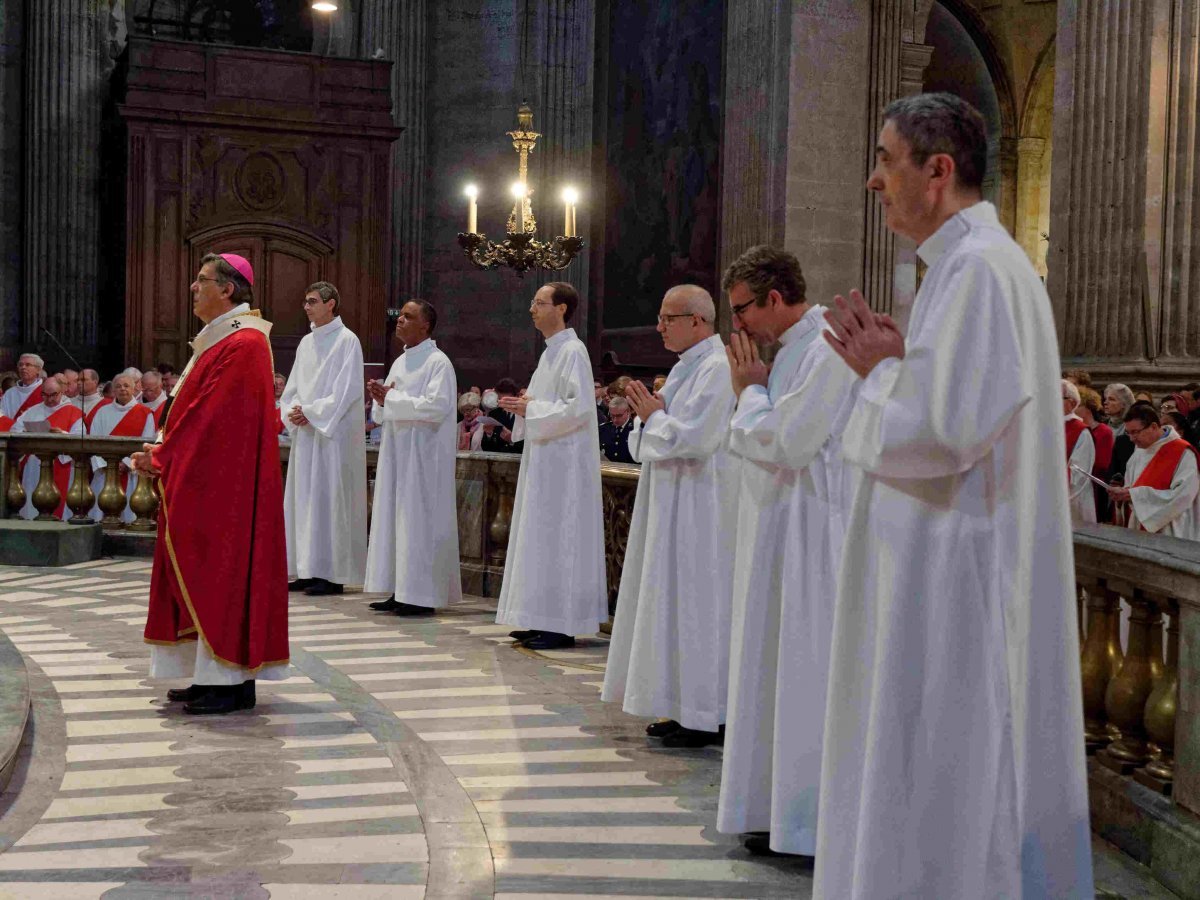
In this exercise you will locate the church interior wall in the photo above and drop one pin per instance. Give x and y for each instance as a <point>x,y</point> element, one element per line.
<point>12,156</point>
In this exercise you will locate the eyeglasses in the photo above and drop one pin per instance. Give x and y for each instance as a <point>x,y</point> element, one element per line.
<point>206,278</point>
<point>310,301</point>
<point>666,320</point>
<point>742,307</point>
<point>540,303</point>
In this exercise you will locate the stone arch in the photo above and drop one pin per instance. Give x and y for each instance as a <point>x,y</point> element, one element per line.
<point>966,61</point>
<point>1034,152</point>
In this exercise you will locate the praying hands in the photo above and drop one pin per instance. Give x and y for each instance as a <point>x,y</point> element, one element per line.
<point>745,365</point>
<point>861,337</point>
<point>644,403</point>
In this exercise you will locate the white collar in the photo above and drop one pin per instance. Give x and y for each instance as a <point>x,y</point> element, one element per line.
<point>426,346</point>
<point>238,310</point>
<point>814,318</point>
<point>329,327</point>
<point>954,229</point>
<point>700,349</point>
<point>561,337</point>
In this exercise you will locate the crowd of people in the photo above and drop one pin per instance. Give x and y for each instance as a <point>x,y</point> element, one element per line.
<point>851,566</point>
<point>1132,460</point>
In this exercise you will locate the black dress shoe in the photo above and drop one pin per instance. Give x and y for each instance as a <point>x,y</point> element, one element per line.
<point>548,640</point>
<point>187,694</point>
<point>689,737</point>
<point>300,584</point>
<point>385,605</point>
<point>411,609</point>
<point>246,694</point>
<point>523,635</point>
<point>322,588</point>
<point>219,700</point>
<point>662,729</point>
<point>758,843</point>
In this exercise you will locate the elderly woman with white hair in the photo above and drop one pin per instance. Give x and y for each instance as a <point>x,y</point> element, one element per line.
<point>1081,457</point>
<point>470,408</point>
<point>1117,400</point>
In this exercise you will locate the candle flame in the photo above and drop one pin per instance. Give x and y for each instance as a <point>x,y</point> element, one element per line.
<point>570,195</point>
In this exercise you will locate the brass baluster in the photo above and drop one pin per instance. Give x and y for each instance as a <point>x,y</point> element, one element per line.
<point>144,503</point>
<point>14,492</point>
<point>1097,667</point>
<point>1125,698</point>
<point>46,495</point>
<point>79,496</point>
<point>112,495</point>
<point>1160,712</point>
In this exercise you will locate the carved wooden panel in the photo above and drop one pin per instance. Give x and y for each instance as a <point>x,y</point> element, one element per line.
<point>281,157</point>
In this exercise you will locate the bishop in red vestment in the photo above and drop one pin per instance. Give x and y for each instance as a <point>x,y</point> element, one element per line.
<point>218,592</point>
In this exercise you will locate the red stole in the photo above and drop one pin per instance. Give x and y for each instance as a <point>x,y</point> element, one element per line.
<point>133,423</point>
<point>87,420</point>
<point>158,414</point>
<point>34,398</point>
<point>220,565</point>
<point>1160,471</point>
<point>1075,428</point>
<point>6,424</point>
<point>64,417</point>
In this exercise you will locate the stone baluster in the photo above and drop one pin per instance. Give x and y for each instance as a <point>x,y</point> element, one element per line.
<point>144,504</point>
<point>14,492</point>
<point>79,496</point>
<point>1125,699</point>
<point>112,495</point>
<point>46,495</point>
<point>1104,607</point>
<point>1160,711</point>
<point>504,490</point>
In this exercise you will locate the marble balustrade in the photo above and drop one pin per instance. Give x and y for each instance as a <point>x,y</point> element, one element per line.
<point>486,486</point>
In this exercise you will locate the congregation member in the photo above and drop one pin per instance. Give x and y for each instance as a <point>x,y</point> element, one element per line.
<point>26,393</point>
<point>325,495</point>
<point>1163,484</point>
<point>124,417</point>
<point>469,435</point>
<point>154,398</point>
<point>169,376</point>
<point>1118,400</point>
<point>90,397</point>
<point>500,440</point>
<point>614,434</point>
<point>218,589</point>
<point>669,654</point>
<point>554,581</point>
<point>55,416</point>
<point>1081,458</point>
<point>413,550</point>
<point>954,757</point>
<point>790,519</point>
<point>601,402</point>
<point>70,382</point>
<point>1090,410</point>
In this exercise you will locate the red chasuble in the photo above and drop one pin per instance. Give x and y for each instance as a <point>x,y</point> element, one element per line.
<point>220,565</point>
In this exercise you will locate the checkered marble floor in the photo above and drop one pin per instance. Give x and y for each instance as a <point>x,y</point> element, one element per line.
<point>402,759</point>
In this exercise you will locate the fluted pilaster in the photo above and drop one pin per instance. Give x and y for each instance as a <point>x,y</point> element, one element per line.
<point>1030,151</point>
<point>754,149</point>
<point>66,85</point>
<point>399,30</point>
<point>12,176</point>
<point>1098,257</point>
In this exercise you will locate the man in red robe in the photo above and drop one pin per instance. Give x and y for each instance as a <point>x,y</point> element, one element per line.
<point>218,592</point>
<point>123,417</point>
<point>60,417</point>
<point>26,393</point>
<point>154,398</point>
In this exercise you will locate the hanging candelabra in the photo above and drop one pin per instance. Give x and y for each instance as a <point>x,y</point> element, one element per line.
<point>521,250</point>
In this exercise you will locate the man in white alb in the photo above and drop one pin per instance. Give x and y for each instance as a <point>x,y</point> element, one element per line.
<point>90,398</point>
<point>1081,458</point>
<point>413,552</point>
<point>153,397</point>
<point>325,496</point>
<point>669,655</point>
<point>124,417</point>
<point>554,582</point>
<point>54,415</point>
<point>1163,483</point>
<point>26,393</point>
<point>790,520</point>
<point>954,760</point>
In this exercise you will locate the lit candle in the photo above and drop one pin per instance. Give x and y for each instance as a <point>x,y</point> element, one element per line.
<point>472,193</point>
<point>570,198</point>
<point>518,191</point>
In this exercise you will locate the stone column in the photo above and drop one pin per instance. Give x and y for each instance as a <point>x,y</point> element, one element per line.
<point>758,37</point>
<point>65,89</point>
<point>559,75</point>
<point>398,29</point>
<point>12,176</point>
<point>1030,151</point>
<point>1097,263</point>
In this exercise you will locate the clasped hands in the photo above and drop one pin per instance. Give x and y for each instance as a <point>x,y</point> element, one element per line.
<point>515,405</point>
<point>861,337</point>
<point>378,390</point>
<point>143,463</point>
<point>296,416</point>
